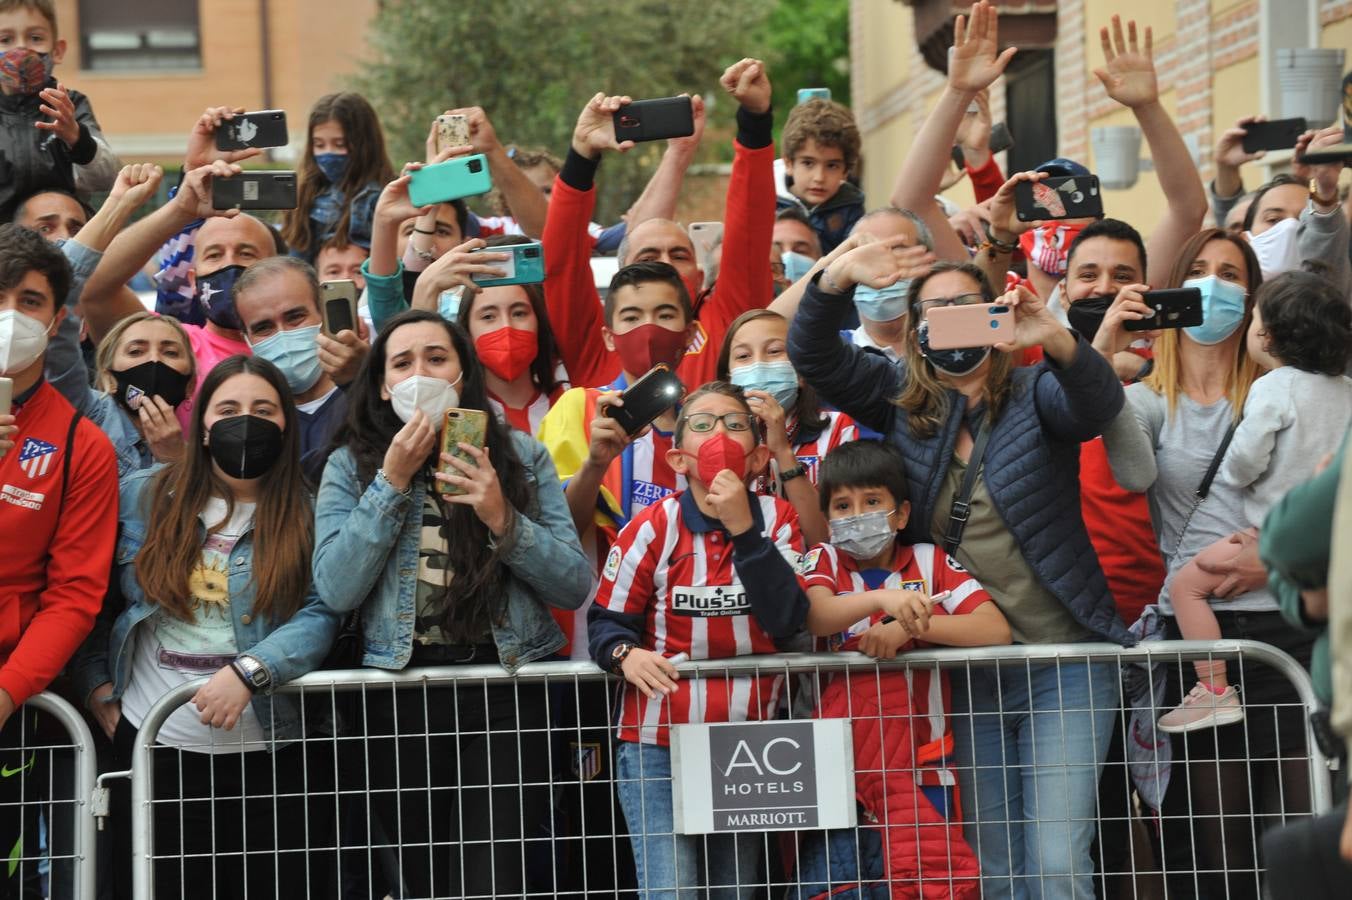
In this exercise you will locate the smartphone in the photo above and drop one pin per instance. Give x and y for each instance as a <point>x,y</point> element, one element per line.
<point>525,264</point>
<point>806,94</point>
<point>977,325</point>
<point>452,131</point>
<point>705,236</point>
<point>1279,134</point>
<point>655,120</point>
<point>254,190</point>
<point>6,398</point>
<point>467,426</point>
<point>266,128</point>
<point>646,399</point>
<point>1067,197</point>
<point>1177,308</point>
<point>338,306</point>
<point>464,176</point>
<point>1337,153</point>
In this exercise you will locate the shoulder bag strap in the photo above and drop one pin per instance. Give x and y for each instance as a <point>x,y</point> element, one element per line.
<point>962,502</point>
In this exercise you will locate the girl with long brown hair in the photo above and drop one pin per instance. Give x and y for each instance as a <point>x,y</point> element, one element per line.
<point>341,176</point>
<point>213,566</point>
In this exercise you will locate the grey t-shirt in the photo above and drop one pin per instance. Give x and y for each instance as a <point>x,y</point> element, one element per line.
<point>1183,444</point>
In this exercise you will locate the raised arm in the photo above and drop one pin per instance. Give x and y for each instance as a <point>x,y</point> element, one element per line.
<point>1128,75</point>
<point>524,199</point>
<point>106,299</point>
<point>973,65</point>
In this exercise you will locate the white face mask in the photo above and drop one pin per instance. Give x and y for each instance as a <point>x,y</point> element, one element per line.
<point>426,392</point>
<point>1278,248</point>
<point>23,340</point>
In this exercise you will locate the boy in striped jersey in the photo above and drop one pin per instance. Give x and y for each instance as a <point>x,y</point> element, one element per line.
<point>707,573</point>
<point>870,592</point>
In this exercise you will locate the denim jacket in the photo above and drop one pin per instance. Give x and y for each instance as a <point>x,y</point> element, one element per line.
<point>288,650</point>
<point>366,555</point>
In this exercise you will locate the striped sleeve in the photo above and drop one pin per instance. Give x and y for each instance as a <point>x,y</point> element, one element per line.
<point>819,567</point>
<point>627,577</point>
<point>949,575</point>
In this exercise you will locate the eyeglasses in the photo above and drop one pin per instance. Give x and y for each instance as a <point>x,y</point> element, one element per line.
<point>961,300</point>
<point>703,422</point>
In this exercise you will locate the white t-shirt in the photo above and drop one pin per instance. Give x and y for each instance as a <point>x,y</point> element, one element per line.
<point>170,652</point>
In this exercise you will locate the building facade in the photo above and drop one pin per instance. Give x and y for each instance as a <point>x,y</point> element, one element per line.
<point>1215,58</point>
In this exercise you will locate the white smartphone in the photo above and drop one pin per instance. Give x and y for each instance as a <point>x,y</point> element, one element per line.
<point>705,236</point>
<point>6,398</point>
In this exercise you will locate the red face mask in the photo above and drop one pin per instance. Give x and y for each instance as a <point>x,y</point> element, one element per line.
<point>643,347</point>
<point>716,454</point>
<point>507,352</point>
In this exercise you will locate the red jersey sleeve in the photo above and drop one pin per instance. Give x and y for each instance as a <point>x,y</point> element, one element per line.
<point>949,575</point>
<point>819,568</point>
<point>80,560</point>
<point>574,307</point>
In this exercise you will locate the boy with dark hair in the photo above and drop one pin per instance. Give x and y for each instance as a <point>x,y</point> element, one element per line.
<point>871,592</point>
<point>58,512</point>
<point>821,148</point>
<point>49,138</point>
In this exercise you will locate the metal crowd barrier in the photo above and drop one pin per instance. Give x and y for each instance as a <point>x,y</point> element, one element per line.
<point>463,781</point>
<point>47,784</point>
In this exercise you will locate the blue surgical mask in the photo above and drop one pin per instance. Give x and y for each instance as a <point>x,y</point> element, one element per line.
<point>956,362</point>
<point>296,354</point>
<point>333,165</point>
<point>796,265</point>
<point>448,303</point>
<point>1222,309</point>
<point>882,304</point>
<point>778,379</point>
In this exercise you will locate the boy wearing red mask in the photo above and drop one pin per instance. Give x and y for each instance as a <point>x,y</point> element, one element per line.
<point>608,476</point>
<point>706,574</point>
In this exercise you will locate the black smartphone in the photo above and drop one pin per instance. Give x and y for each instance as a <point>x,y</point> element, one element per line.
<point>646,399</point>
<point>338,306</point>
<point>1176,308</point>
<point>254,190</point>
<point>1067,197</point>
<point>1279,134</point>
<point>1337,153</point>
<point>266,128</point>
<point>655,120</point>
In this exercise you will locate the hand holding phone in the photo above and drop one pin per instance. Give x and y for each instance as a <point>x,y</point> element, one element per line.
<point>1176,308</point>
<point>254,190</point>
<point>265,128</point>
<point>464,176</point>
<point>654,120</point>
<point>1279,134</point>
<point>452,131</point>
<point>1067,197</point>
<point>525,264</point>
<point>338,306</point>
<point>975,325</point>
<point>646,399</point>
<point>467,426</point>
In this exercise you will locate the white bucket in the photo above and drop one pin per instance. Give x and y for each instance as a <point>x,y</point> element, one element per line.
<point>1117,155</point>
<point>1311,84</point>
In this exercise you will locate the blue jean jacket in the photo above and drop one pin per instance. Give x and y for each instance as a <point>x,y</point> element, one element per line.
<point>288,650</point>
<point>366,555</point>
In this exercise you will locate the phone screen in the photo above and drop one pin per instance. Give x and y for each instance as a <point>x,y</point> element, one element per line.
<point>338,315</point>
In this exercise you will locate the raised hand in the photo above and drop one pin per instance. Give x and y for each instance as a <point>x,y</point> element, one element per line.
<point>878,263</point>
<point>1230,147</point>
<point>56,103</point>
<point>1004,219</point>
<point>690,143</point>
<point>1128,74</point>
<point>135,185</point>
<point>202,139</point>
<point>194,195</point>
<point>974,61</point>
<point>595,130</point>
<point>1326,174</point>
<point>748,83</point>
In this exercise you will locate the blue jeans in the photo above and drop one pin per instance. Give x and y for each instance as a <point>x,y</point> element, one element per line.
<point>668,863</point>
<point>1030,745</point>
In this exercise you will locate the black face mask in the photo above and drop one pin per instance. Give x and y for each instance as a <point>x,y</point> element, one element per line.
<point>244,446</point>
<point>148,380</point>
<point>1087,315</point>
<point>216,294</point>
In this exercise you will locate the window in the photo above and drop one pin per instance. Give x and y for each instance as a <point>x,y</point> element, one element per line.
<point>1030,103</point>
<point>136,35</point>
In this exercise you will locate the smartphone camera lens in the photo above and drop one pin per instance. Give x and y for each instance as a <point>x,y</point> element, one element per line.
<point>476,166</point>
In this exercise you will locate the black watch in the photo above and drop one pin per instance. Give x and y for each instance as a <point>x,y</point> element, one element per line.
<point>788,475</point>
<point>252,672</point>
<point>618,654</point>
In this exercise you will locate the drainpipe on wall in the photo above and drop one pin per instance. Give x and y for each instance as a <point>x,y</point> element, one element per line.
<point>265,37</point>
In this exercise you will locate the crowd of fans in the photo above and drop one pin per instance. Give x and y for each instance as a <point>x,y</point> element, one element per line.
<point>220,487</point>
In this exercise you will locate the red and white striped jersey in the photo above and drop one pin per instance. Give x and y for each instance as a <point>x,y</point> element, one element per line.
<point>920,567</point>
<point>810,453</point>
<point>685,586</point>
<point>525,418</point>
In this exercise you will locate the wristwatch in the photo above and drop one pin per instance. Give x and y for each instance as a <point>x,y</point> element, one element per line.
<point>1002,246</point>
<point>619,654</point>
<point>252,672</point>
<point>788,475</point>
